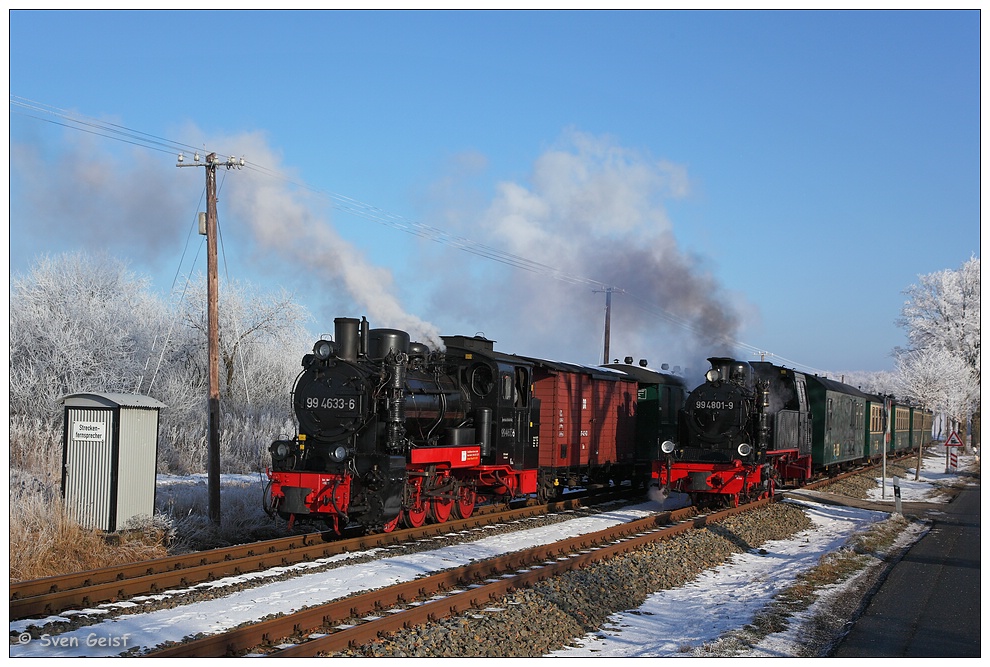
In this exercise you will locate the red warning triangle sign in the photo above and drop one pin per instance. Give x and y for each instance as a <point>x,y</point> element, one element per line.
<point>953,440</point>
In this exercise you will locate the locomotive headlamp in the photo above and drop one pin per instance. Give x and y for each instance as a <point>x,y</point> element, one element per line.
<point>323,349</point>
<point>281,450</point>
<point>339,454</point>
<point>667,447</point>
<point>713,375</point>
<point>744,449</point>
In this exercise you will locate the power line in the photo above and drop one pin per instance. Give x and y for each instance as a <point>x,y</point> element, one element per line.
<point>360,209</point>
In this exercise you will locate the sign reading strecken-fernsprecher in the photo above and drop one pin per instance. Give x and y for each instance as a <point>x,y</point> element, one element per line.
<point>89,431</point>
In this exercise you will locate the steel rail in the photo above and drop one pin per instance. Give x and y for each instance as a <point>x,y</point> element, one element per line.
<point>528,566</point>
<point>54,594</point>
<point>610,544</point>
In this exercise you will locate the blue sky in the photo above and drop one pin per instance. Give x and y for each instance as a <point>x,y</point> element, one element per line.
<point>774,179</point>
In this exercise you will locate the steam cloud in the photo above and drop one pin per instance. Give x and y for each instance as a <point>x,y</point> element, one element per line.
<point>287,223</point>
<point>590,208</point>
<point>88,197</point>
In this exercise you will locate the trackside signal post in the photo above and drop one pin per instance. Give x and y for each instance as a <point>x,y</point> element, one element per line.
<point>212,324</point>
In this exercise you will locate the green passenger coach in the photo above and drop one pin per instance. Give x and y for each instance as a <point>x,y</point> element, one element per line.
<point>900,437</point>
<point>875,429</point>
<point>838,422</point>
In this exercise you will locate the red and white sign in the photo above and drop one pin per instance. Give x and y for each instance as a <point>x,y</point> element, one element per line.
<point>953,440</point>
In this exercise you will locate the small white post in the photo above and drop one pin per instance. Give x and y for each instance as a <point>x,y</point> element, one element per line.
<point>897,494</point>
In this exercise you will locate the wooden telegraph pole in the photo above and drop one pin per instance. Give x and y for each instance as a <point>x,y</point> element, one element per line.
<point>608,320</point>
<point>212,326</point>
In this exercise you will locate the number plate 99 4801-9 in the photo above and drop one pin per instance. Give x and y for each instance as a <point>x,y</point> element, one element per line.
<point>714,405</point>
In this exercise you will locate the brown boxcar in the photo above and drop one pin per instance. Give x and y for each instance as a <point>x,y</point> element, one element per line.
<point>587,422</point>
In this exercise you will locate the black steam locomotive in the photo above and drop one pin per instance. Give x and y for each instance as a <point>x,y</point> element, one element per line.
<point>753,426</point>
<point>387,427</point>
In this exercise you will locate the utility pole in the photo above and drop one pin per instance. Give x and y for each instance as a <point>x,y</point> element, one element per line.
<point>608,319</point>
<point>212,325</point>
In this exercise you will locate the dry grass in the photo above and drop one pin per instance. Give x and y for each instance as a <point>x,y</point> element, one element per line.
<point>44,542</point>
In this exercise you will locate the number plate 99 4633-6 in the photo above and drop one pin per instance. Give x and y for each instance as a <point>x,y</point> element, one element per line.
<point>331,403</point>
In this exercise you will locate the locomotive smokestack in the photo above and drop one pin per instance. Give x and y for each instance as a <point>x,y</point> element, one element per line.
<point>345,331</point>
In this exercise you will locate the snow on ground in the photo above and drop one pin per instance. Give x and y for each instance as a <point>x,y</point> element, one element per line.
<point>151,629</point>
<point>672,622</point>
<point>719,600</point>
<point>934,470</point>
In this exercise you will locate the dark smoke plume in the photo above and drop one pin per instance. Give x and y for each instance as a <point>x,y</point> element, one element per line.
<point>593,209</point>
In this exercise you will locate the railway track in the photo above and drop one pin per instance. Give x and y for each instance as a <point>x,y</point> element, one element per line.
<point>357,620</point>
<point>50,595</point>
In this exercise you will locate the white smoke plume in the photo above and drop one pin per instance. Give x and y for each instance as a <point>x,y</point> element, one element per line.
<point>85,196</point>
<point>137,205</point>
<point>287,225</point>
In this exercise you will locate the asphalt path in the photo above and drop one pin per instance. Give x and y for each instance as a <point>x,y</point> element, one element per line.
<point>928,606</point>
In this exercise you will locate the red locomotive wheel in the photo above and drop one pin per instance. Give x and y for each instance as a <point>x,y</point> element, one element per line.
<point>466,499</point>
<point>393,524</point>
<point>440,509</point>
<point>416,516</point>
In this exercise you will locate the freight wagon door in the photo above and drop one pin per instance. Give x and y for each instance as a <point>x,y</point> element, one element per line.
<point>564,400</point>
<point>604,422</point>
<point>578,400</point>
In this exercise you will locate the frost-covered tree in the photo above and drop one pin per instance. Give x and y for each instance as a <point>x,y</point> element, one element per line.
<point>82,322</point>
<point>943,312</point>
<point>251,320</point>
<point>262,339</point>
<point>78,322</point>
<point>942,321</point>
<point>937,379</point>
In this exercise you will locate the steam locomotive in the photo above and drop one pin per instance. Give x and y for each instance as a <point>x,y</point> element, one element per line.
<point>391,432</point>
<point>754,426</point>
